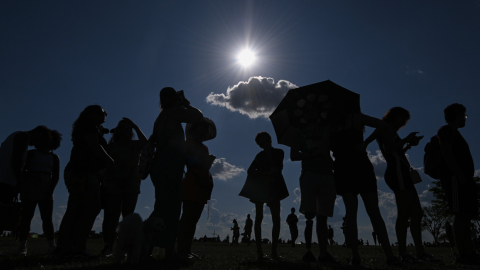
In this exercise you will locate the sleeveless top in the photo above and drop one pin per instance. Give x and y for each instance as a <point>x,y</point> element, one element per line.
<point>6,150</point>
<point>126,156</point>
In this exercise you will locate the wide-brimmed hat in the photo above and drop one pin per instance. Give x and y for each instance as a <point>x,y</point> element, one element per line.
<point>212,129</point>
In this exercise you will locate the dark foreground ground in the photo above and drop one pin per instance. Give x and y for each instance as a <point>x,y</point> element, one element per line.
<point>216,256</point>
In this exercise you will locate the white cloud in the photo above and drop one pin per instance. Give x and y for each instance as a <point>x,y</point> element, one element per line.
<point>223,170</point>
<point>298,196</point>
<point>258,97</point>
<point>477,173</point>
<point>379,163</point>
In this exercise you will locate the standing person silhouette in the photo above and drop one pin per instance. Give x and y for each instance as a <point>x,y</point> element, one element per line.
<point>267,166</point>
<point>248,229</point>
<point>236,233</point>
<point>317,186</point>
<point>41,175</point>
<point>83,174</point>
<point>121,191</point>
<point>292,221</point>
<point>457,171</point>
<point>168,164</point>
<point>374,235</point>
<point>197,185</point>
<point>330,235</point>
<point>398,179</point>
<point>354,175</point>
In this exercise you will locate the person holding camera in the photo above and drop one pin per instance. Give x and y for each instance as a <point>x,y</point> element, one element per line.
<point>398,178</point>
<point>169,160</point>
<point>120,193</point>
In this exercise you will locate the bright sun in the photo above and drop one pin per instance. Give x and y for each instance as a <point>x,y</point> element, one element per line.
<point>246,58</point>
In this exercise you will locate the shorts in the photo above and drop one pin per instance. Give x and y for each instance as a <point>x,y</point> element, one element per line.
<point>317,193</point>
<point>461,198</point>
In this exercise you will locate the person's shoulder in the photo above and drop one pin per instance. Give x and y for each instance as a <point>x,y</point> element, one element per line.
<point>21,136</point>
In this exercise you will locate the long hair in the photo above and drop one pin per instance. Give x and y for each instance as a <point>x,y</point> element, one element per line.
<point>84,120</point>
<point>56,139</point>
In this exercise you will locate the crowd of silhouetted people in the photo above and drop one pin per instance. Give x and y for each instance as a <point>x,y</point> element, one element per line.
<point>107,175</point>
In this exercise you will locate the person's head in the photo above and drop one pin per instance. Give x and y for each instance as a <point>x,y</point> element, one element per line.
<point>39,137</point>
<point>396,117</point>
<point>169,98</point>
<point>293,210</point>
<point>455,114</point>
<point>234,221</point>
<point>92,115</point>
<point>200,130</point>
<point>248,215</point>
<point>123,132</point>
<point>263,140</point>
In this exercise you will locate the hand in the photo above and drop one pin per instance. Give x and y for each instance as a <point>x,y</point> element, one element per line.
<point>416,141</point>
<point>186,102</point>
<point>412,137</point>
<point>129,122</point>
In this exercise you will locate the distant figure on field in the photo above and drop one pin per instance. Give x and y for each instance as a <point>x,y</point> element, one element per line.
<point>121,191</point>
<point>236,233</point>
<point>40,177</point>
<point>330,234</point>
<point>248,229</point>
<point>292,221</point>
<point>374,235</point>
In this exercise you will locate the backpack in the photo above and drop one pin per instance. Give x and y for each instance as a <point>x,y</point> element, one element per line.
<point>432,160</point>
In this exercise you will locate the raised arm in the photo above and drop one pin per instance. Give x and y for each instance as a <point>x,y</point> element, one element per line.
<point>97,149</point>
<point>187,114</point>
<point>55,172</point>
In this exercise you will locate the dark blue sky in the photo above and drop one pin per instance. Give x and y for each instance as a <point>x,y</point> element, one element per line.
<point>57,57</point>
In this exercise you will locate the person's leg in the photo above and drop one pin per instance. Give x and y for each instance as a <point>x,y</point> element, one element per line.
<point>294,233</point>
<point>309,231</point>
<point>129,203</point>
<point>192,211</point>
<point>90,210</point>
<point>258,228</point>
<point>416,222</point>
<point>401,226</point>
<point>111,216</point>
<point>275,210</point>
<point>27,213</point>
<point>351,207</point>
<point>46,213</point>
<point>322,234</point>
<point>371,205</point>
<point>69,223</point>
<point>462,234</point>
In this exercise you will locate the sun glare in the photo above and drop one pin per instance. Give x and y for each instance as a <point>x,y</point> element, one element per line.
<point>246,58</point>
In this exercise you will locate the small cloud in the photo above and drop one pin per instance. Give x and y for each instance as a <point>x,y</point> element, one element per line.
<point>379,163</point>
<point>146,207</point>
<point>298,196</point>
<point>258,97</point>
<point>413,71</point>
<point>223,170</point>
<point>477,173</point>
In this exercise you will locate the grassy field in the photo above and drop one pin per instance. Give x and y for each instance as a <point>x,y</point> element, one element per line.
<point>216,256</point>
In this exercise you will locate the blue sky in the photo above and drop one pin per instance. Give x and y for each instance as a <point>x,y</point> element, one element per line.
<point>57,57</point>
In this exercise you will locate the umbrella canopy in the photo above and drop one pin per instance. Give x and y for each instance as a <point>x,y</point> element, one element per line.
<point>310,105</point>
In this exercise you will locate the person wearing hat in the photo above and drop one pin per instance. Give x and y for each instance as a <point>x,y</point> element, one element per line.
<point>166,173</point>
<point>197,184</point>
<point>120,193</point>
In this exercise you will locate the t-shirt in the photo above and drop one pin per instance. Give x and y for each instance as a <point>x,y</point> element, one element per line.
<point>310,144</point>
<point>82,160</point>
<point>248,225</point>
<point>292,220</point>
<point>126,178</point>
<point>6,151</point>
<point>460,148</point>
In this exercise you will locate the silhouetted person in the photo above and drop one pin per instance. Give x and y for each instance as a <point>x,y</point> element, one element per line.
<point>292,221</point>
<point>267,166</point>
<point>248,229</point>
<point>121,191</point>
<point>13,152</point>
<point>317,186</point>
<point>330,234</point>
<point>354,175</point>
<point>166,173</point>
<point>197,185</point>
<point>397,177</point>
<point>83,174</point>
<point>40,177</point>
<point>236,233</point>
<point>457,171</point>
<point>449,233</point>
<point>374,235</point>
<point>367,243</point>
